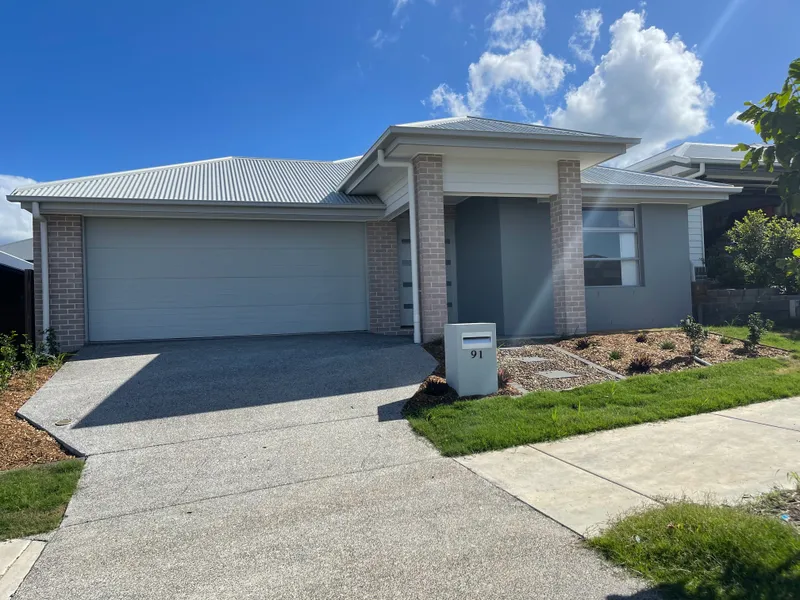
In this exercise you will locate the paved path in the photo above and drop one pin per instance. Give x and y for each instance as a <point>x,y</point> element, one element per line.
<point>280,468</point>
<point>583,481</point>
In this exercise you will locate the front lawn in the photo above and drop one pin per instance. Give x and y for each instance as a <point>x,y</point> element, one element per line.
<point>787,338</point>
<point>468,426</point>
<point>33,500</point>
<point>709,552</point>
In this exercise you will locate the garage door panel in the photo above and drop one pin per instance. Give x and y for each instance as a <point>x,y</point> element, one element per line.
<point>230,292</point>
<point>204,234</point>
<point>110,325</point>
<point>162,278</point>
<point>204,263</point>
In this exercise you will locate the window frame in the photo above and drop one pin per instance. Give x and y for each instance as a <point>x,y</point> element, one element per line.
<point>637,260</point>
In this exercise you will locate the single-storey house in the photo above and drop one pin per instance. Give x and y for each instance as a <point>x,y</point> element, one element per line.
<point>717,163</point>
<point>460,219</point>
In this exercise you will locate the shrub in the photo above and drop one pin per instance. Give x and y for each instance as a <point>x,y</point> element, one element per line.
<point>725,340</point>
<point>668,345</point>
<point>615,355</point>
<point>51,346</point>
<point>762,250</point>
<point>32,356</point>
<point>503,379</point>
<point>435,386</point>
<point>8,358</point>
<point>756,327</point>
<point>641,337</point>
<point>641,363</point>
<point>696,333</point>
<point>583,343</point>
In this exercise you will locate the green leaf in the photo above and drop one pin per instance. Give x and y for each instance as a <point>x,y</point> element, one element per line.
<point>797,253</point>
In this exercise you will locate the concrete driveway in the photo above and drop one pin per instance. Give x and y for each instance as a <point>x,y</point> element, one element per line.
<point>280,468</point>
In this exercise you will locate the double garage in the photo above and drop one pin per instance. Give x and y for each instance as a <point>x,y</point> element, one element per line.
<point>183,278</point>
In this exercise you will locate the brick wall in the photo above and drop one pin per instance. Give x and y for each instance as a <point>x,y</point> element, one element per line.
<point>429,191</point>
<point>566,229</point>
<point>65,252</point>
<point>382,267</point>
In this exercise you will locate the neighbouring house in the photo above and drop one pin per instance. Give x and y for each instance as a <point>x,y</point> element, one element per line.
<point>460,219</point>
<point>21,249</point>
<point>16,295</point>
<point>716,163</point>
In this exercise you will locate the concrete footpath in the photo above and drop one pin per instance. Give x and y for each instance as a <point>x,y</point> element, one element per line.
<point>584,481</point>
<point>16,559</point>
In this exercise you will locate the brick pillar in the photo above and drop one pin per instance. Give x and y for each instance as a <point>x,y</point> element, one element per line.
<point>429,191</point>
<point>566,231</point>
<point>384,291</point>
<point>65,252</point>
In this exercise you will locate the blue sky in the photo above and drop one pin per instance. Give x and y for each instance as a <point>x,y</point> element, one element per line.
<point>98,87</point>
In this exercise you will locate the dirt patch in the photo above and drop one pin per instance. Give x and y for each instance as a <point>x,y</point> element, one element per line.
<point>21,444</point>
<point>782,503</point>
<point>528,374</point>
<point>601,346</point>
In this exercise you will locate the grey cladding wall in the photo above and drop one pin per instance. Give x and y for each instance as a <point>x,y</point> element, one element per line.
<point>665,296</point>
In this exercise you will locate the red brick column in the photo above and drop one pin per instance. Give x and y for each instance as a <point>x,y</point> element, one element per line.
<point>382,267</point>
<point>428,186</point>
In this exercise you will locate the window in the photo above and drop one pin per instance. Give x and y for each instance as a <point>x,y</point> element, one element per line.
<point>610,247</point>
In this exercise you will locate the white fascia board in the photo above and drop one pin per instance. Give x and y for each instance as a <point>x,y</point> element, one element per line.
<point>14,262</point>
<point>210,210</point>
<point>643,195</point>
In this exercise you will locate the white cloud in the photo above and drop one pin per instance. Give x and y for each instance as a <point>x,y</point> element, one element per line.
<point>518,69</point>
<point>381,38</point>
<point>524,70</point>
<point>515,22</point>
<point>15,223</point>
<point>734,120</point>
<point>586,34</point>
<point>398,6</point>
<point>647,86</point>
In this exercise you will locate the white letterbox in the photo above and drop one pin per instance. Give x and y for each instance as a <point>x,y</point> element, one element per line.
<point>471,358</point>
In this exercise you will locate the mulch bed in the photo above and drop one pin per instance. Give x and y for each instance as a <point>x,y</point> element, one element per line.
<point>21,444</point>
<point>601,346</point>
<point>527,374</point>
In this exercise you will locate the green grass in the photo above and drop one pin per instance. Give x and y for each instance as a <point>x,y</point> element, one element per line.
<point>707,552</point>
<point>33,500</point>
<point>782,337</point>
<point>468,426</point>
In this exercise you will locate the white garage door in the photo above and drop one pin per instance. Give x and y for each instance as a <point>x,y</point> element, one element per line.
<point>174,278</point>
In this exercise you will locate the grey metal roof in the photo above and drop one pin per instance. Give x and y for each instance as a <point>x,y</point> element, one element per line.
<point>691,152</point>
<point>21,249</point>
<point>232,179</point>
<point>610,176</point>
<point>495,126</point>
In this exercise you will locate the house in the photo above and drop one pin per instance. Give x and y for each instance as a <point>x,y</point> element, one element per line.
<point>720,164</point>
<point>466,219</point>
<point>16,295</point>
<point>21,249</point>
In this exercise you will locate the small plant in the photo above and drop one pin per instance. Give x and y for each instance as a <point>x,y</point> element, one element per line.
<point>554,414</point>
<point>583,343</point>
<point>641,337</point>
<point>615,355</point>
<point>435,386</point>
<point>31,355</point>
<point>725,340</point>
<point>503,379</point>
<point>58,360</point>
<point>757,327</point>
<point>8,358</point>
<point>641,363</point>
<point>50,342</point>
<point>696,333</point>
<point>667,345</point>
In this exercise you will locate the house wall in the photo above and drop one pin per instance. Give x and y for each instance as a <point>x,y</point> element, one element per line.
<point>479,262</point>
<point>665,294</point>
<point>527,267</point>
<point>477,175</point>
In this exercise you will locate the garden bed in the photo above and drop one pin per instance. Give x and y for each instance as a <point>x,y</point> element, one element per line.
<point>668,349</point>
<point>529,376</point>
<point>21,444</point>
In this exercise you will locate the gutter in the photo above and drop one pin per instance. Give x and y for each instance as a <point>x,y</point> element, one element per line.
<point>44,267</point>
<point>412,217</point>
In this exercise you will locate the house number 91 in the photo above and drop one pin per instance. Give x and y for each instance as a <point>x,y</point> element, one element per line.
<point>477,354</point>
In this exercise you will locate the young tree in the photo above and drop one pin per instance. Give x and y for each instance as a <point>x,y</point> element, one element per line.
<point>777,120</point>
